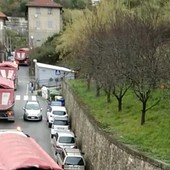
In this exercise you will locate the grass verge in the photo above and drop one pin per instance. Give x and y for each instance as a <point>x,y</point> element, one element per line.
<point>152,139</point>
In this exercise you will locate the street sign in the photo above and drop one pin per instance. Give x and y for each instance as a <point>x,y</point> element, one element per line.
<point>57,72</point>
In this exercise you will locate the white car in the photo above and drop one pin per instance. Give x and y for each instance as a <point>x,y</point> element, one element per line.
<point>58,125</point>
<point>56,112</point>
<point>71,159</point>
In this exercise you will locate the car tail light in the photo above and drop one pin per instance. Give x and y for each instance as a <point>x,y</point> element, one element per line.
<point>75,146</point>
<point>10,113</point>
<point>62,166</point>
<point>57,146</point>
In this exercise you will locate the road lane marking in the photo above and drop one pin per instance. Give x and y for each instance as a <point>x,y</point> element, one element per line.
<point>25,97</point>
<point>17,97</point>
<point>34,98</point>
<point>27,90</point>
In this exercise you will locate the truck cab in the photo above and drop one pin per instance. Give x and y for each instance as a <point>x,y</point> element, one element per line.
<point>21,56</point>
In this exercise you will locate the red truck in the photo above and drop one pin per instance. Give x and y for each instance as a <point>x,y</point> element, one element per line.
<point>19,151</point>
<point>7,100</point>
<point>21,56</point>
<point>9,70</point>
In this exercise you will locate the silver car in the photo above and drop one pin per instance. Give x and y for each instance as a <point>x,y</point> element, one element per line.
<point>71,159</point>
<point>32,111</point>
<point>64,139</point>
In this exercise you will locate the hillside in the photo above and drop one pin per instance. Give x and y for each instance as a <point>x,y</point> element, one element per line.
<point>16,8</point>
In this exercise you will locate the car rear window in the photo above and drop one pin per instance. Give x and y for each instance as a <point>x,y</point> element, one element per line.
<point>60,122</point>
<point>74,161</point>
<point>66,139</point>
<point>59,113</point>
<point>56,103</point>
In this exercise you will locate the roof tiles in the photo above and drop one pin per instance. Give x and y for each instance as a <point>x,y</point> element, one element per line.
<point>2,15</point>
<point>44,3</point>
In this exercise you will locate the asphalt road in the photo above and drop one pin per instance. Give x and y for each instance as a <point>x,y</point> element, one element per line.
<point>36,129</point>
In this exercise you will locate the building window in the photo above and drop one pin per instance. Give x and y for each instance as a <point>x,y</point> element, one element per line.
<point>50,24</point>
<point>38,11</point>
<point>37,24</point>
<point>50,12</point>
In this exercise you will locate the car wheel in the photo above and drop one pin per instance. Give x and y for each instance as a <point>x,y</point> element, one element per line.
<point>24,118</point>
<point>41,118</point>
<point>49,125</point>
<point>52,136</point>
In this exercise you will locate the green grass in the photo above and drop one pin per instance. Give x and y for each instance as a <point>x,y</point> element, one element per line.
<point>152,139</point>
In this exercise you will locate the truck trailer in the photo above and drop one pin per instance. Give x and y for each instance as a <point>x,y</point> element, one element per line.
<point>7,100</point>
<point>9,70</point>
<point>19,151</point>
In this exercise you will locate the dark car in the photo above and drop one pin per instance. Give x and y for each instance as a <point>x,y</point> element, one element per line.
<point>53,103</point>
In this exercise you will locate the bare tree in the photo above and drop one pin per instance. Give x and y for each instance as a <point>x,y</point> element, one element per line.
<point>145,60</point>
<point>119,37</point>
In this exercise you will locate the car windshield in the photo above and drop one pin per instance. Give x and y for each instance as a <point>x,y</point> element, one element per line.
<point>32,106</point>
<point>74,161</point>
<point>60,122</point>
<point>59,113</point>
<point>66,139</point>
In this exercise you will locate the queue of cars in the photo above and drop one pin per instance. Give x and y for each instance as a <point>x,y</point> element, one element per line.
<point>68,155</point>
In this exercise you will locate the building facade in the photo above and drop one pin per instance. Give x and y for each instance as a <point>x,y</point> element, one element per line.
<point>44,20</point>
<point>95,2</point>
<point>17,24</point>
<point>3,45</point>
<point>51,75</point>
<point>3,18</point>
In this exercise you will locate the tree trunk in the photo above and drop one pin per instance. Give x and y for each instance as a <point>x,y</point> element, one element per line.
<point>109,95</point>
<point>97,89</point>
<point>143,112</point>
<point>120,104</point>
<point>88,82</point>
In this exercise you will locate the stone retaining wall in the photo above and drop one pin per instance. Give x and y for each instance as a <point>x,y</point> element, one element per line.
<point>101,151</point>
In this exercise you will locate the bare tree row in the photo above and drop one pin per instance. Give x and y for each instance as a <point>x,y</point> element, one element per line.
<point>123,50</point>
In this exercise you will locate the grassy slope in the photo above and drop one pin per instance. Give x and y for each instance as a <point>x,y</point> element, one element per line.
<point>153,138</point>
